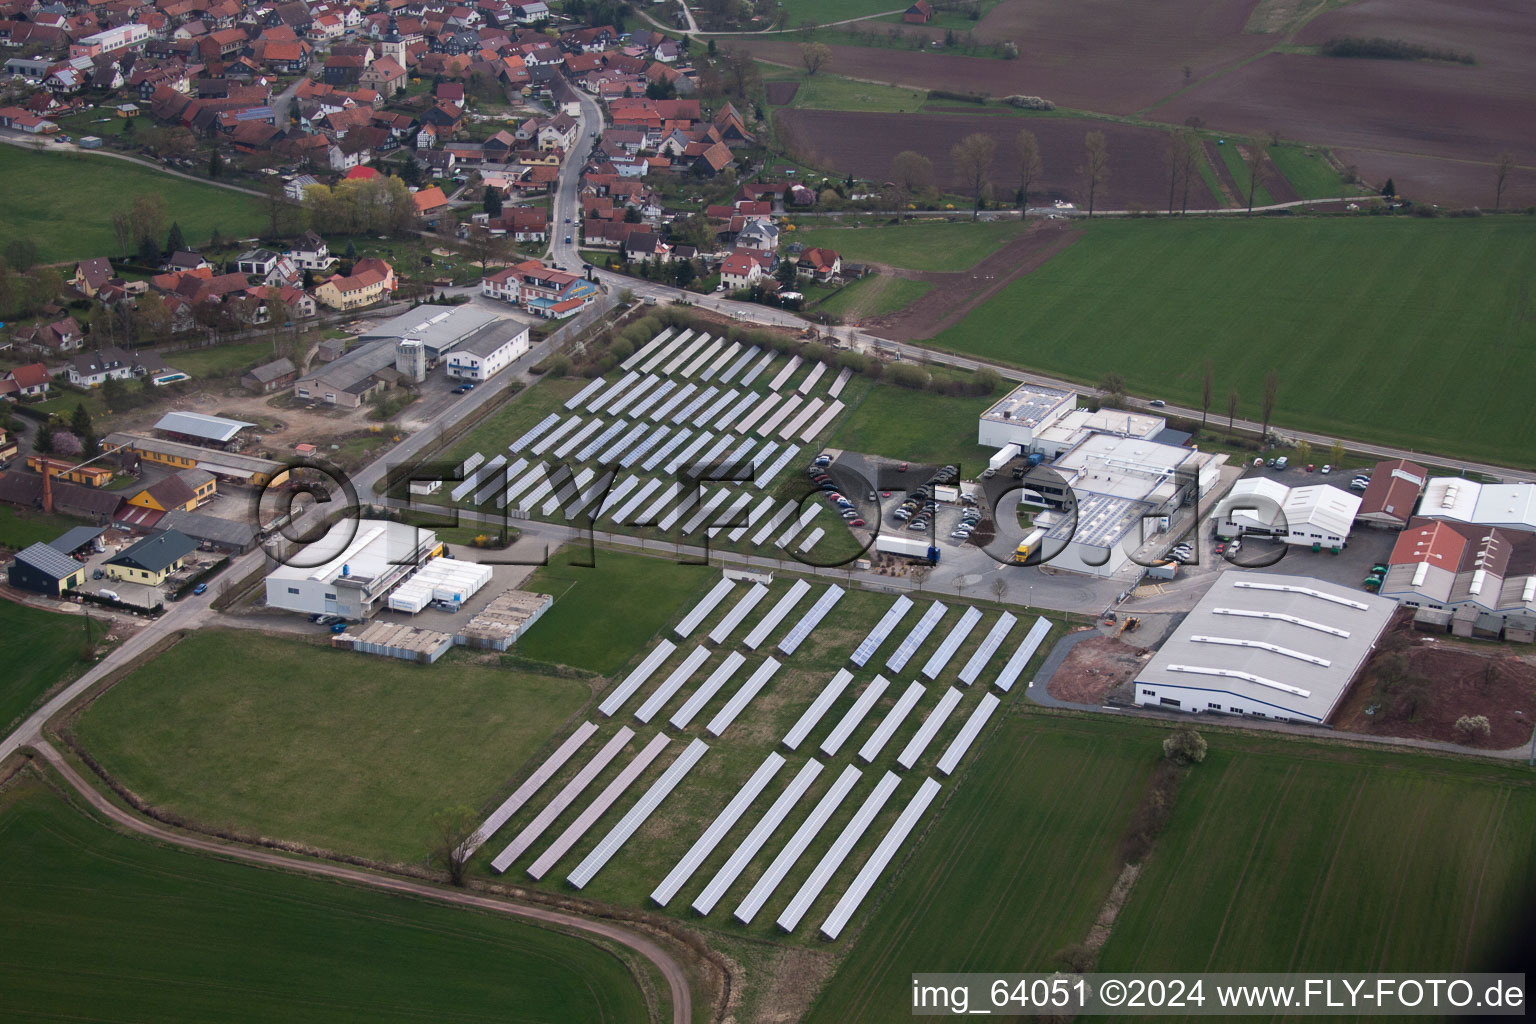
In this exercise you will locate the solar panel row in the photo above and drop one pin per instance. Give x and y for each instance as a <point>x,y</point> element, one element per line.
<point>734,617</point>
<point>813,714</point>
<point>685,354</point>
<point>838,852</point>
<point>576,440</point>
<point>859,888</point>
<point>740,364</point>
<point>841,382</point>
<point>795,637</point>
<point>876,637</point>
<point>530,786</point>
<point>634,394</point>
<point>892,721</point>
<point>765,477</point>
<point>758,511</point>
<point>635,500</point>
<point>811,378</point>
<point>776,615</point>
<point>988,647</point>
<point>723,823</point>
<point>731,513</point>
<point>707,690</point>
<point>783,375</point>
<point>636,816</point>
<point>563,799</point>
<point>538,428</point>
<point>1031,643</point>
<point>854,715</point>
<point>951,644</point>
<point>665,388</point>
<point>659,353</point>
<point>661,454</point>
<point>598,807</point>
<point>903,654</point>
<point>743,854</point>
<point>822,422</point>
<point>742,697</point>
<point>679,396</point>
<point>798,421</point>
<point>929,729</point>
<point>785,511</point>
<point>674,682</point>
<point>599,401</point>
<point>637,678</point>
<point>552,438</point>
<point>802,838</point>
<point>967,734</point>
<point>757,370</point>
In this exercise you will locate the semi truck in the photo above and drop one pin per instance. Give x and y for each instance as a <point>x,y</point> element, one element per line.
<point>1028,546</point>
<point>907,547</point>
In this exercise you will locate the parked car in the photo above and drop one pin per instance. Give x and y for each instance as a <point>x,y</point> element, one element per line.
<point>200,589</point>
<point>1282,462</point>
<point>463,389</point>
<point>988,473</point>
<point>855,522</point>
<point>1327,470</point>
<point>901,467</point>
<point>1221,548</point>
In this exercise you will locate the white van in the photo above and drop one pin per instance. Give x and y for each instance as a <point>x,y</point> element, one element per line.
<point>110,595</point>
<point>1282,462</point>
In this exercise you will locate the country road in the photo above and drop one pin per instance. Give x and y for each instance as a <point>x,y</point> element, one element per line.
<point>677,977</point>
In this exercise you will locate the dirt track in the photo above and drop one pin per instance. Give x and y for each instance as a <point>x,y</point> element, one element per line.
<point>677,979</point>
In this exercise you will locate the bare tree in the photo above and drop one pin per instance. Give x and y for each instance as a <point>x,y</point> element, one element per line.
<point>911,173</point>
<point>1253,162</point>
<point>1271,390</point>
<point>814,56</point>
<point>1231,409</point>
<point>920,573</point>
<point>999,588</point>
<point>1030,167</point>
<point>739,69</point>
<point>1188,154</point>
<point>1176,167</point>
<point>122,227</point>
<point>1206,384</point>
<point>972,158</point>
<point>1095,169</point>
<point>451,831</point>
<point>1501,171</point>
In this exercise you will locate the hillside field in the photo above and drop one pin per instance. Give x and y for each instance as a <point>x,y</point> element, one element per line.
<point>44,191</point>
<point>1411,332</point>
<point>1282,854</point>
<point>918,245</point>
<point>120,928</point>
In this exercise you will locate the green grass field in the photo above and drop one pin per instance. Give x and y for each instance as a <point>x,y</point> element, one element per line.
<point>830,92</point>
<point>44,190</point>
<point>874,295</point>
<point>515,415</point>
<point>1309,172</point>
<point>42,648</point>
<point>920,245</point>
<point>1300,857</point>
<point>345,751</point>
<point>1379,328</point>
<point>602,614</point>
<point>1234,162</point>
<point>1281,855</point>
<point>119,928</point>
<point>916,426</point>
<point>824,12</point>
<point>222,359</point>
<point>22,527</point>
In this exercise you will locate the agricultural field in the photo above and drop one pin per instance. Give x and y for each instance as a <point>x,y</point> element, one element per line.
<point>279,737</point>
<point>1354,314</point>
<point>45,188</point>
<point>1342,859</point>
<point>917,245</point>
<point>1292,816</point>
<point>42,649</point>
<point>120,927</point>
<point>830,92</point>
<point>873,296</point>
<point>797,12</point>
<point>866,144</point>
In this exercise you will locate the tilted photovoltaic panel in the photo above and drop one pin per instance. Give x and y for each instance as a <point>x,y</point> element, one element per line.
<point>639,409</point>
<point>636,500</point>
<point>723,823</point>
<point>941,657</point>
<point>776,615</point>
<point>743,854</point>
<point>576,440</point>
<point>842,380</point>
<point>677,398</point>
<point>967,734</point>
<point>758,511</point>
<point>552,438</point>
<point>1031,643</point>
<point>620,386</point>
<point>903,654</point>
<point>989,646</point>
<point>859,888</point>
<point>758,369</point>
<point>706,605</point>
<point>636,816</point>
<point>592,447</point>
<point>696,445</point>
<point>674,682</point>
<point>739,365</point>
<point>783,375</point>
<point>785,511</point>
<point>742,697</point>
<point>803,837</point>
<point>813,714</point>
<point>637,678</point>
<point>634,394</point>
<point>811,378</point>
<point>892,721</point>
<point>854,715</point>
<point>537,429</point>
<point>822,421</point>
<point>585,393</point>
<point>685,354</point>
<point>598,807</point>
<point>757,413</point>
<point>705,510</point>
<point>530,786</point>
<point>730,513</point>
<point>889,621</point>
<point>696,367</point>
<point>660,355</point>
<point>707,690</point>
<point>783,413</point>
<point>833,859</point>
<point>653,437</point>
<point>799,419</point>
<point>795,637</point>
<point>686,413</point>
<point>661,454</point>
<point>729,352</point>
<point>733,415</point>
<point>563,799</point>
<point>765,477</point>
<point>646,351</point>
<point>707,415</point>
<point>929,729</point>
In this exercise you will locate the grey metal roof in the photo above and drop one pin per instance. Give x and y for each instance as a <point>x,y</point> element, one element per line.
<point>1299,642</point>
<point>195,424</point>
<point>439,328</point>
<point>75,537</point>
<point>48,560</point>
<point>226,532</point>
<point>155,552</point>
<point>491,337</point>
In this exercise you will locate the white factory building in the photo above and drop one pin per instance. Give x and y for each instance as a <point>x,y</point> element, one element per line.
<point>486,352</point>
<point>1511,506</point>
<point>1266,646</point>
<point>1316,516</point>
<point>351,570</point>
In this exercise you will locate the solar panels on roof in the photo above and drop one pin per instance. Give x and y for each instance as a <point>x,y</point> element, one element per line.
<point>889,621</point>
<point>742,697</point>
<point>813,714</point>
<point>1010,673</point>
<point>530,786</point>
<point>776,615</point>
<point>637,678</point>
<point>674,682</point>
<point>723,823</point>
<point>967,734</point>
<point>854,715</point>
<point>833,859</point>
<point>951,644</point>
<point>534,431</point>
<point>988,647</point>
<point>636,816</point>
<point>743,854</point>
<point>585,393</point>
<point>563,799</point>
<point>795,637</point>
<point>598,807</point>
<point>804,835</point>
<point>707,690</point>
<point>784,374</point>
<point>738,612</point>
<point>903,654</point>
<point>929,729</point>
<point>891,722</point>
<point>859,888</point>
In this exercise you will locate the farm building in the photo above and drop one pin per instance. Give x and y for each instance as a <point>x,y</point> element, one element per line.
<point>1266,646</point>
<point>1317,516</point>
<point>197,428</point>
<point>183,492</point>
<point>351,570</point>
<point>269,377</point>
<point>63,469</point>
<point>348,381</point>
<point>230,466</point>
<point>152,559</point>
<point>1480,580</point>
<point>43,569</point>
<point>1394,491</point>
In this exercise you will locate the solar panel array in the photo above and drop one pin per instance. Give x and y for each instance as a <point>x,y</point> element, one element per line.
<point>598,807</point>
<point>776,614</point>
<point>988,647</point>
<point>740,364</point>
<point>637,678</point>
<point>771,819</point>
<point>929,729</point>
<point>661,454</point>
<point>968,733</point>
<point>811,378</point>
<point>635,817</point>
<point>1010,673</point>
<point>757,370</point>
<point>785,511</point>
<point>811,539</point>
<point>738,612</point>
<point>892,721</point>
<point>731,513</point>
<point>941,657</point>
<point>823,421</point>
<point>667,407</point>
<point>784,411</point>
<point>784,374</point>
<point>810,512</point>
<point>591,447</point>
<point>813,714</point>
<point>689,410</point>
<point>672,683</point>
<point>563,799</point>
<point>841,382</point>
<point>859,888</point>
<point>530,786</point>
<point>576,440</point>
<point>693,368</point>
<point>537,429</point>
<point>854,715</point>
<point>761,411</point>
<point>655,397</point>
<point>659,353</point>
<point>706,510</point>
<point>651,439</point>
<point>634,394</point>
<point>636,500</point>
<point>793,425</point>
<point>552,438</point>
<point>838,852</point>
<point>889,621</point>
<point>646,350</point>
<point>619,387</point>
<point>723,823</point>
<point>802,838</point>
<point>903,654</point>
<point>730,352</point>
<point>706,692</point>
<point>795,637</point>
<point>739,700</point>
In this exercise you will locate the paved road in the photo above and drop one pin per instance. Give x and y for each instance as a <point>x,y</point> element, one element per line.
<point>677,978</point>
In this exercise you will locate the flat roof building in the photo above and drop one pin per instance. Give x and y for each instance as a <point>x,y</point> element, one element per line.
<point>351,570</point>
<point>1023,413</point>
<point>440,329</point>
<point>1512,506</point>
<point>488,351</point>
<point>1266,646</point>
